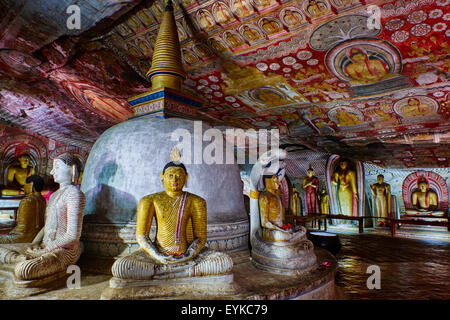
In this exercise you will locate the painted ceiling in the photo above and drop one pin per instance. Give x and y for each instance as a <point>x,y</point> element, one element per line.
<point>328,73</point>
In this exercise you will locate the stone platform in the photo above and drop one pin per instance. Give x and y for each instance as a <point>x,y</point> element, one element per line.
<point>249,282</point>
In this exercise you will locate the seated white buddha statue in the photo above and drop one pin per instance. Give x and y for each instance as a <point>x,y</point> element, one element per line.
<point>179,248</point>
<point>424,200</point>
<point>57,245</point>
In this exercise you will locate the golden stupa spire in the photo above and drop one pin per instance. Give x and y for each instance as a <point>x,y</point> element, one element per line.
<point>167,69</point>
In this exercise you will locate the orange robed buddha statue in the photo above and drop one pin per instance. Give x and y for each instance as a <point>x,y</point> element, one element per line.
<point>30,215</point>
<point>424,200</point>
<point>179,248</point>
<point>17,175</point>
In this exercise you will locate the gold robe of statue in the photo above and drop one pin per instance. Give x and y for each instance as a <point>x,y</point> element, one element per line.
<point>17,176</point>
<point>179,248</point>
<point>30,216</point>
<point>345,179</point>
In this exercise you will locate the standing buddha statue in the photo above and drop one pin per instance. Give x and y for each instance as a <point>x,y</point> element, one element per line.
<point>347,190</point>
<point>381,192</point>
<point>311,186</point>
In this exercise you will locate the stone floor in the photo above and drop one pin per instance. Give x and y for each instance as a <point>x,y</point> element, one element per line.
<point>410,268</point>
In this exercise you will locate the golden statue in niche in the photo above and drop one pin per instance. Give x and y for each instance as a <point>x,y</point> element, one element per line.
<point>30,215</point>
<point>424,200</point>
<point>179,248</point>
<point>17,175</point>
<point>381,192</point>
<point>347,191</point>
<point>189,57</point>
<point>217,45</point>
<point>324,202</point>
<point>363,70</point>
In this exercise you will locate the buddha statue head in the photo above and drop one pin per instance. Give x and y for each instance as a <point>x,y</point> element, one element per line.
<point>422,185</point>
<point>380,178</point>
<point>310,171</point>
<point>271,182</point>
<point>64,169</point>
<point>343,164</point>
<point>24,160</point>
<point>174,176</point>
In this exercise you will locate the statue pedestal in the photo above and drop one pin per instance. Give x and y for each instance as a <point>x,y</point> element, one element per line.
<point>295,257</point>
<point>14,289</point>
<point>195,287</point>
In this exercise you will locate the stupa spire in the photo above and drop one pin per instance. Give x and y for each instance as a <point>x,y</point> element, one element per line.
<point>167,68</point>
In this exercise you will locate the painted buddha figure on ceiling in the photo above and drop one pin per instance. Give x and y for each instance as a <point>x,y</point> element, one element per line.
<point>363,70</point>
<point>17,175</point>
<point>347,191</point>
<point>424,200</point>
<point>415,108</point>
<point>57,245</point>
<point>179,248</point>
<point>30,215</point>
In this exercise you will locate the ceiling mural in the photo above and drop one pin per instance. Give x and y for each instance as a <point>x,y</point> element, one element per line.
<point>327,73</point>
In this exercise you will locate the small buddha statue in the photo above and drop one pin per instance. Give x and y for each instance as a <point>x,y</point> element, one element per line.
<point>424,200</point>
<point>30,215</point>
<point>17,175</point>
<point>295,200</point>
<point>179,248</point>
<point>324,202</point>
<point>381,192</point>
<point>57,245</point>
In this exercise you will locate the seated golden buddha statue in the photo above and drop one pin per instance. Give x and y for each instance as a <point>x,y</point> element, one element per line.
<point>179,248</point>
<point>277,247</point>
<point>30,215</point>
<point>424,200</point>
<point>57,245</point>
<point>17,175</point>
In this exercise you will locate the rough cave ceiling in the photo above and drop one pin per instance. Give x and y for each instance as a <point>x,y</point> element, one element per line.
<point>322,71</point>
